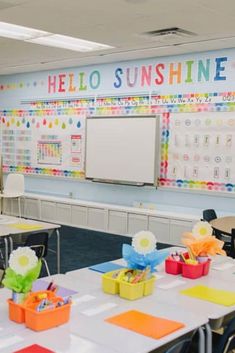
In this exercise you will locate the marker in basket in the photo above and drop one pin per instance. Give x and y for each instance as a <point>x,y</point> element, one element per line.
<point>50,285</point>
<point>54,288</point>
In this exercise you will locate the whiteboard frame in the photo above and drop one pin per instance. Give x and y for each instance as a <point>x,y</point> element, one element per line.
<point>156,150</point>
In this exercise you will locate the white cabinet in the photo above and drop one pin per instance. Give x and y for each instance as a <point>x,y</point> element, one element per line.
<point>9,206</point>
<point>102,217</point>
<point>96,218</point>
<point>117,222</point>
<point>79,216</point>
<point>48,211</point>
<point>177,228</point>
<point>136,223</point>
<point>32,208</point>
<point>63,213</point>
<point>160,227</point>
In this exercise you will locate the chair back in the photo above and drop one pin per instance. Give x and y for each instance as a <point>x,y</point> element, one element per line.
<point>209,215</point>
<point>180,347</point>
<point>39,243</point>
<point>232,249</point>
<point>14,184</point>
<point>227,341</point>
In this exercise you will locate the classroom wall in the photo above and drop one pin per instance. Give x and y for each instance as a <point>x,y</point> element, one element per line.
<point>174,76</point>
<point>127,195</point>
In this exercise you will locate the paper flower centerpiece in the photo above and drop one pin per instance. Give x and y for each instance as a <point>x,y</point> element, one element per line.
<point>24,268</point>
<point>201,242</point>
<point>202,229</point>
<point>142,253</point>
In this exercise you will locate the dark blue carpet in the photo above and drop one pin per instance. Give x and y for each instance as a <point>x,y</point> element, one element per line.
<point>82,248</point>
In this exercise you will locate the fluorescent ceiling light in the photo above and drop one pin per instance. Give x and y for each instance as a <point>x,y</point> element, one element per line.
<point>9,30</point>
<point>32,35</point>
<point>66,42</point>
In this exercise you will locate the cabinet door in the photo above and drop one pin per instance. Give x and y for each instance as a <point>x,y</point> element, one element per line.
<point>136,223</point>
<point>160,227</point>
<point>177,228</point>
<point>79,216</point>
<point>117,222</point>
<point>7,206</point>
<point>96,218</point>
<point>63,213</point>
<point>48,211</point>
<point>32,208</point>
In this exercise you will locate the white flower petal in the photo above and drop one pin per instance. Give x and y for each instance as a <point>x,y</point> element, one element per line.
<point>202,229</point>
<point>144,242</point>
<point>22,260</point>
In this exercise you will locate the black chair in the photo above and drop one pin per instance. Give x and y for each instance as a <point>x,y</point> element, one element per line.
<point>180,347</point>
<point>209,215</point>
<point>39,243</point>
<point>226,342</point>
<point>232,248</point>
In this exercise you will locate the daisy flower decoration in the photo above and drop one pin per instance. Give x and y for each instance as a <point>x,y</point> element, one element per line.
<point>24,268</point>
<point>144,242</point>
<point>202,229</point>
<point>22,260</point>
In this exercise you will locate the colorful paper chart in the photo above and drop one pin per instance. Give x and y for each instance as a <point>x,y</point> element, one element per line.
<point>34,348</point>
<point>145,324</point>
<point>213,295</point>
<point>25,226</point>
<point>105,267</point>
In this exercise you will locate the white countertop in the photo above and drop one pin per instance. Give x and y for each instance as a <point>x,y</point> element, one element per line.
<point>162,210</point>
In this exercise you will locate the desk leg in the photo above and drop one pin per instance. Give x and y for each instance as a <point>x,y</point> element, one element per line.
<point>11,244</point>
<point>58,250</point>
<point>6,252</point>
<point>201,346</point>
<point>208,339</point>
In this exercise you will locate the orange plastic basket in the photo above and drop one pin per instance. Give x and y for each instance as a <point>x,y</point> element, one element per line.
<point>39,320</point>
<point>16,312</point>
<point>46,319</point>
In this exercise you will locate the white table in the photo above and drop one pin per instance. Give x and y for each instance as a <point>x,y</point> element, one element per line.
<point>96,328</point>
<point>215,313</point>
<point>7,229</point>
<point>59,340</point>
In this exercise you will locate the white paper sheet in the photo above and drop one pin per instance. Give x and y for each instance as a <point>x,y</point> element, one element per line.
<point>99,309</point>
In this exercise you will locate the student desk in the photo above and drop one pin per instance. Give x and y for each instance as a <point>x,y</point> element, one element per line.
<point>10,228</point>
<point>224,224</point>
<point>215,313</point>
<point>94,327</point>
<point>123,340</point>
<point>15,336</point>
<point>90,333</point>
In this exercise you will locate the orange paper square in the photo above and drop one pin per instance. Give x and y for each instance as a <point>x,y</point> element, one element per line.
<point>145,324</point>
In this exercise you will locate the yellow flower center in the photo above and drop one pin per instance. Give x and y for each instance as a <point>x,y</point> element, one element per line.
<point>144,243</point>
<point>203,231</point>
<point>23,260</point>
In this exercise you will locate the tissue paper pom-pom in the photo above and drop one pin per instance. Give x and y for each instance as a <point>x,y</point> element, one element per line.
<point>144,242</point>
<point>202,229</point>
<point>22,260</point>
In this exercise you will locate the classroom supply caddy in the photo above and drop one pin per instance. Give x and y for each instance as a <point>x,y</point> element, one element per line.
<point>40,311</point>
<point>188,270</point>
<point>113,283</point>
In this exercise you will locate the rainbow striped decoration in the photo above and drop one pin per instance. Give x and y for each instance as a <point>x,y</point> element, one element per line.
<point>196,185</point>
<point>44,171</point>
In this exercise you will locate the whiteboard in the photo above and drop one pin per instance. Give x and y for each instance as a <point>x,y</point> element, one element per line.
<point>122,149</point>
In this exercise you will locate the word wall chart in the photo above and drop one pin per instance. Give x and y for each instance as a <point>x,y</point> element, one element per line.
<point>201,149</point>
<point>43,144</point>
